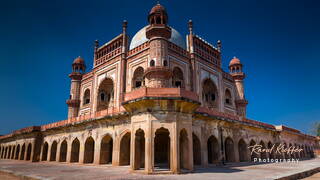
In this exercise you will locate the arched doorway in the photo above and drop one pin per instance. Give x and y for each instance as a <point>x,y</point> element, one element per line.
<point>75,149</point>
<point>196,150</point>
<point>9,153</point>
<point>263,154</point>
<point>125,149</point>
<point>17,152</point>
<point>139,149</point>
<point>229,150</point>
<point>45,152</point>
<point>89,150</point>
<point>184,149</point>
<point>53,151</point>
<point>253,154</point>
<point>243,151</point>
<point>63,151</point>
<point>213,150</point>
<point>23,149</point>
<point>13,151</point>
<point>105,94</point>
<point>162,148</point>
<point>106,150</point>
<point>29,149</point>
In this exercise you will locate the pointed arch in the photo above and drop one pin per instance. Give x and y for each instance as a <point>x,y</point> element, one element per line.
<point>138,77</point>
<point>210,94</point>
<point>63,151</point>
<point>125,144</point>
<point>23,149</point>
<point>17,152</point>
<point>106,149</point>
<point>45,152</point>
<point>228,97</point>
<point>105,94</point>
<point>29,149</point>
<point>75,150</point>
<point>162,148</point>
<point>53,151</point>
<point>139,151</point>
<point>196,149</point>
<point>253,154</point>
<point>213,150</point>
<point>243,151</point>
<point>177,79</point>
<point>229,150</point>
<point>86,97</point>
<point>88,150</point>
<point>263,154</point>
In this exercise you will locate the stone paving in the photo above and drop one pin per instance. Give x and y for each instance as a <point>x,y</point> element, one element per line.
<point>240,171</point>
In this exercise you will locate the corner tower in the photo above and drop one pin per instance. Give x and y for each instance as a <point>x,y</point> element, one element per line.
<point>78,69</point>
<point>158,32</point>
<point>235,68</point>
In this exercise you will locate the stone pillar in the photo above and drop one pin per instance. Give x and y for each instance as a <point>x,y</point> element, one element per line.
<point>25,151</point>
<point>97,149</point>
<point>174,144</point>
<point>58,151</point>
<point>41,151</point>
<point>19,155</point>
<point>116,151</point>
<point>32,151</point>
<point>132,149</point>
<point>149,149</point>
<point>81,152</point>
<point>236,151</point>
<point>190,150</point>
<point>69,152</point>
<point>204,152</point>
<point>49,151</point>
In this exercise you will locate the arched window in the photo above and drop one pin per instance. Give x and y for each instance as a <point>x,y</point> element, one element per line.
<point>228,97</point>
<point>177,79</point>
<point>86,97</point>
<point>152,63</point>
<point>105,94</point>
<point>138,79</point>
<point>209,94</point>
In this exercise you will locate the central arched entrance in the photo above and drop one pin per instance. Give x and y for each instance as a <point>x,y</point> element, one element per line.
<point>139,149</point>
<point>162,149</point>
<point>125,149</point>
<point>106,150</point>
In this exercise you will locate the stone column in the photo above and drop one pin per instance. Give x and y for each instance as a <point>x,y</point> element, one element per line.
<point>190,150</point>
<point>149,149</point>
<point>69,152</point>
<point>25,151</point>
<point>132,149</point>
<point>49,151</point>
<point>236,151</point>
<point>32,151</point>
<point>204,152</point>
<point>174,144</point>
<point>58,151</point>
<point>97,149</point>
<point>19,155</point>
<point>81,152</point>
<point>116,151</point>
<point>41,151</point>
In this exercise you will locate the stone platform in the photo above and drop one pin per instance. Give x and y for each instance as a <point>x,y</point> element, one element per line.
<point>239,171</point>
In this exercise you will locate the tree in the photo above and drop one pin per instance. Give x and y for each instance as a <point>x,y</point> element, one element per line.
<point>315,129</point>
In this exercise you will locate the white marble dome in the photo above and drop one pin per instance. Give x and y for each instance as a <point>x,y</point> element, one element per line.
<point>140,38</point>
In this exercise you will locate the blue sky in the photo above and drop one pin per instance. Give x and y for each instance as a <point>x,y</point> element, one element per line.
<point>277,41</point>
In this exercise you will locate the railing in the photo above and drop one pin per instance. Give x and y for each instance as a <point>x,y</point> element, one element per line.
<point>108,56</point>
<point>160,92</point>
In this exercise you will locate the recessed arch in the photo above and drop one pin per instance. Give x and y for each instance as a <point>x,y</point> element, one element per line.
<point>138,77</point>
<point>213,150</point>
<point>229,150</point>
<point>63,151</point>
<point>106,149</point>
<point>17,152</point>
<point>209,93</point>
<point>75,150</point>
<point>45,152</point>
<point>196,149</point>
<point>29,149</point>
<point>177,79</point>
<point>89,150</point>
<point>125,149</point>
<point>228,97</point>
<point>86,97</point>
<point>184,149</point>
<point>139,149</point>
<point>53,151</point>
<point>263,154</point>
<point>162,148</point>
<point>105,94</point>
<point>13,152</point>
<point>23,149</point>
<point>253,154</point>
<point>243,151</point>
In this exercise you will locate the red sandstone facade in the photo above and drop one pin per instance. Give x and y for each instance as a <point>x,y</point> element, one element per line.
<point>158,101</point>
